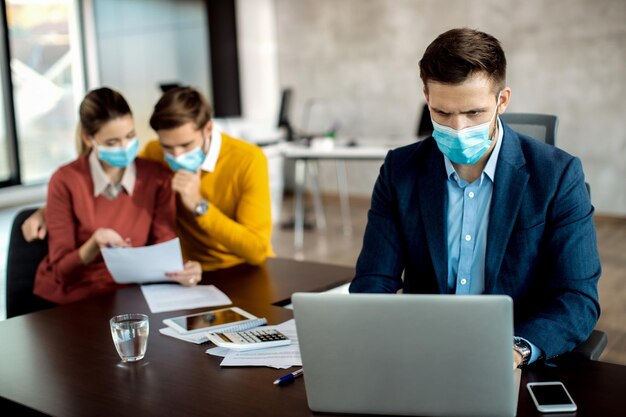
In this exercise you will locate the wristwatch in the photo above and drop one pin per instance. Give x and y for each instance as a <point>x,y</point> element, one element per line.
<point>201,208</point>
<point>523,348</point>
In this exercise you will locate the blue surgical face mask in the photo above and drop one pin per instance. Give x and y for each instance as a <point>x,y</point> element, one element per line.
<point>190,161</point>
<point>119,156</point>
<point>465,146</point>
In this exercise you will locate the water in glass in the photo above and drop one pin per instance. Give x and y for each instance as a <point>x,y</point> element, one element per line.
<point>130,336</point>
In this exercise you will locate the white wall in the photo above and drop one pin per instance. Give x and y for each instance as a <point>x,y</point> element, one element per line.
<point>141,43</point>
<point>564,57</point>
<point>258,60</point>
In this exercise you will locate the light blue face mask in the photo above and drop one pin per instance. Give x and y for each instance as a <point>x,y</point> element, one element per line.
<point>117,156</point>
<point>190,161</point>
<point>465,146</point>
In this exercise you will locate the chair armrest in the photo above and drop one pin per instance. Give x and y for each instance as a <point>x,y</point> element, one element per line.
<point>592,348</point>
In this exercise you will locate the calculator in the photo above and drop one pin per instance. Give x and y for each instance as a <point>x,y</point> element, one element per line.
<point>250,339</point>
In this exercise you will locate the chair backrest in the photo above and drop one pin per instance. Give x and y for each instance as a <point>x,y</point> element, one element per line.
<point>284,112</point>
<point>22,262</point>
<point>542,127</point>
<point>424,124</point>
<point>539,126</point>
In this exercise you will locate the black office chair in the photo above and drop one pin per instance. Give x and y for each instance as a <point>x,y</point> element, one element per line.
<point>166,86</point>
<point>591,348</point>
<point>22,262</point>
<point>425,124</point>
<point>284,112</point>
<point>542,127</point>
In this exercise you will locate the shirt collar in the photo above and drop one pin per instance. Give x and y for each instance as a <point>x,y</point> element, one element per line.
<point>214,151</point>
<point>490,167</point>
<point>101,181</point>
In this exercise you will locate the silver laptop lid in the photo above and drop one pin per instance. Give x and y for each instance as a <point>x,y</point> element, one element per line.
<point>407,354</point>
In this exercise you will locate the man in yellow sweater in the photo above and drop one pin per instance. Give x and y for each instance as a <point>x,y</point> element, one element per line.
<point>222,183</point>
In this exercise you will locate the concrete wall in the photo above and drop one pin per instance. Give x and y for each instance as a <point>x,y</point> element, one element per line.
<point>359,59</point>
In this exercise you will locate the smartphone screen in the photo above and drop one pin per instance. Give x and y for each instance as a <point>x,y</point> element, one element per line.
<point>551,397</point>
<point>208,319</point>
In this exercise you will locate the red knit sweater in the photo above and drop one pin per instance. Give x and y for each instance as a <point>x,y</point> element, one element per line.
<point>73,215</point>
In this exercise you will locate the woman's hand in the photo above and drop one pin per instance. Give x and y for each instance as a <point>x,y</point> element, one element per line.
<point>109,238</point>
<point>101,238</point>
<point>191,274</point>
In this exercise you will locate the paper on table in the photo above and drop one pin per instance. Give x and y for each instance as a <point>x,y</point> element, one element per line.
<point>342,289</point>
<point>145,264</point>
<point>197,338</point>
<point>170,297</point>
<point>281,357</point>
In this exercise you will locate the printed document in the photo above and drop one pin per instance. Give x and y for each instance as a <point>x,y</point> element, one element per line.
<point>281,357</point>
<point>145,264</point>
<point>170,297</point>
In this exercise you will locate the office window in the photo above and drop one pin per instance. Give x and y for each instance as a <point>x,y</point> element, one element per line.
<point>5,145</point>
<point>48,82</point>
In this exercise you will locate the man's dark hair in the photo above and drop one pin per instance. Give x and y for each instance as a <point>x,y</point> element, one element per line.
<point>178,106</point>
<point>459,53</point>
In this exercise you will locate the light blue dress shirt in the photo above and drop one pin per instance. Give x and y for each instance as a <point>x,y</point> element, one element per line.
<point>468,220</point>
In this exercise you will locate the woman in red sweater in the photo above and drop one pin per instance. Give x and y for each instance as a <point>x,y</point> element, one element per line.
<point>107,197</point>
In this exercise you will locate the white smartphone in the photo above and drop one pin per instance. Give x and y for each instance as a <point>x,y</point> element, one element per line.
<point>551,397</point>
<point>209,320</point>
<point>250,339</point>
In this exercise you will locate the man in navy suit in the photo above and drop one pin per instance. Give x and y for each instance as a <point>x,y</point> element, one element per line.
<point>480,209</point>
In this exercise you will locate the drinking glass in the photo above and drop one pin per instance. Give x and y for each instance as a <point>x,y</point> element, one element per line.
<point>130,335</point>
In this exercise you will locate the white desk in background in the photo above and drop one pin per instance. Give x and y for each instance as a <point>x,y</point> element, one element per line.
<point>301,155</point>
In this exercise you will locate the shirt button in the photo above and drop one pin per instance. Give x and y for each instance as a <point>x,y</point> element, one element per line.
<point>468,237</point>
<point>463,281</point>
<point>471,194</point>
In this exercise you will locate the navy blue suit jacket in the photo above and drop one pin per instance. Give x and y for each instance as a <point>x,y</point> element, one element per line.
<point>541,240</point>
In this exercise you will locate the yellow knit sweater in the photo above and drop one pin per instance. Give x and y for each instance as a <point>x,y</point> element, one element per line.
<point>238,225</point>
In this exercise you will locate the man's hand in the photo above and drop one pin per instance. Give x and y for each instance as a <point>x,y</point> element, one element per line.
<point>189,276</point>
<point>34,228</point>
<point>187,185</point>
<point>517,359</point>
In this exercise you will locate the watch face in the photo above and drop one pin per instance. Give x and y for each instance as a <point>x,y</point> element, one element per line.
<point>201,208</point>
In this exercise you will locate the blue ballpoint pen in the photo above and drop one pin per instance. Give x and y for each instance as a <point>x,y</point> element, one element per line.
<point>289,377</point>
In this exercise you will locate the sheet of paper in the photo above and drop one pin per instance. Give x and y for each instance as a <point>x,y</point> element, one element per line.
<point>171,297</point>
<point>145,264</point>
<point>342,289</point>
<point>281,357</point>
<point>197,338</point>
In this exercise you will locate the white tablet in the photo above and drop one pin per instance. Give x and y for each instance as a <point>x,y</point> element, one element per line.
<point>209,320</point>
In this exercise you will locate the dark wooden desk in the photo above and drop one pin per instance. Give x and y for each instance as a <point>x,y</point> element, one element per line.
<point>62,361</point>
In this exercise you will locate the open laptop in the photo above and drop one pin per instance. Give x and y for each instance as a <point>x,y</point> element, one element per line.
<point>407,354</point>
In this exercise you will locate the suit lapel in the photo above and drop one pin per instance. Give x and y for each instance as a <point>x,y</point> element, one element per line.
<point>432,197</point>
<point>510,182</point>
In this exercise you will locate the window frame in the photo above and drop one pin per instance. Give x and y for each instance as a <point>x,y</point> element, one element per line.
<point>15,176</point>
<point>8,98</point>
